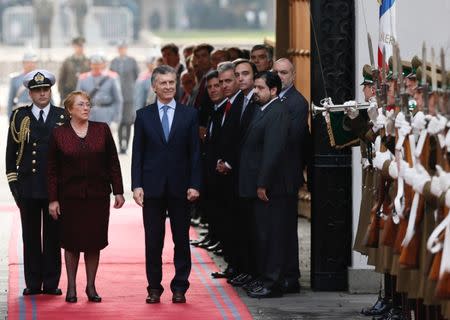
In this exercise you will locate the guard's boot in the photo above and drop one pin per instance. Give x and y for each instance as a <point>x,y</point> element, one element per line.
<point>380,307</point>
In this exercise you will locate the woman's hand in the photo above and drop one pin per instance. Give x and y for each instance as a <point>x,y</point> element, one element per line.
<point>119,201</point>
<point>54,210</point>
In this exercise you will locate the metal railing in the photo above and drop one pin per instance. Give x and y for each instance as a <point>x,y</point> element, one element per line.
<point>18,25</point>
<point>114,23</point>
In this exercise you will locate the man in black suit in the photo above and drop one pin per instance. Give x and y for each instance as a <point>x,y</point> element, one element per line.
<point>171,57</point>
<point>166,175</point>
<point>226,163</point>
<point>26,170</point>
<point>265,180</point>
<point>245,72</point>
<point>298,137</point>
<point>215,93</point>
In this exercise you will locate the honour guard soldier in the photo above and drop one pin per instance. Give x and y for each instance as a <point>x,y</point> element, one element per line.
<point>103,86</point>
<point>18,94</point>
<point>26,166</point>
<point>72,67</point>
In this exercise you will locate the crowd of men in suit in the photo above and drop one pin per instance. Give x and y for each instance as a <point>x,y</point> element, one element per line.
<point>253,128</point>
<point>254,131</point>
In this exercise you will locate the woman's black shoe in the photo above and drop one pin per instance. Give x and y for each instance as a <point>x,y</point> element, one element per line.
<point>93,298</point>
<point>72,299</point>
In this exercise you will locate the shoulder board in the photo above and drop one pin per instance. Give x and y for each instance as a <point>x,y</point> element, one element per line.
<point>112,74</point>
<point>84,75</point>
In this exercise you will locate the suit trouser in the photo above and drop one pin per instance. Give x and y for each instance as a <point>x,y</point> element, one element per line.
<point>41,257</point>
<point>271,219</point>
<point>292,273</point>
<point>154,214</point>
<point>245,234</point>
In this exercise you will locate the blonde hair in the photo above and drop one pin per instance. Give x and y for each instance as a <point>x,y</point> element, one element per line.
<point>70,99</point>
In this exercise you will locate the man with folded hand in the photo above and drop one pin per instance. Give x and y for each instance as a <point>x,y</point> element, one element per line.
<point>26,170</point>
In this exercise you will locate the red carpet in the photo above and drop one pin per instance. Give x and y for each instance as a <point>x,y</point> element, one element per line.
<point>122,283</point>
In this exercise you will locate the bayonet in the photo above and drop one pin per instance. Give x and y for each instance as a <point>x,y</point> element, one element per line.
<point>433,71</point>
<point>369,42</point>
<point>423,81</point>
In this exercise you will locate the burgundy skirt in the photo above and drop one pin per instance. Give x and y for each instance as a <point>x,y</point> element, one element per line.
<point>84,224</point>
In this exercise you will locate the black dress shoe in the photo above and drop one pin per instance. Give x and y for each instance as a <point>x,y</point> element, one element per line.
<point>53,292</point>
<point>154,296</point>
<point>206,244</point>
<point>71,299</point>
<point>93,296</point>
<point>214,246</point>
<point>380,307</point>
<point>291,287</point>
<point>178,297</point>
<point>263,292</point>
<point>395,313</point>
<point>252,284</point>
<point>241,280</point>
<point>31,291</point>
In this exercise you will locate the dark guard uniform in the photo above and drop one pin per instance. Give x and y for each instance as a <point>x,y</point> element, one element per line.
<point>26,169</point>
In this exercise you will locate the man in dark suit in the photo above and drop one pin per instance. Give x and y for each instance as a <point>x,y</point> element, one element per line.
<point>226,164</point>
<point>245,72</point>
<point>26,170</point>
<point>171,57</point>
<point>215,93</point>
<point>299,152</point>
<point>166,174</point>
<point>262,56</point>
<point>265,180</point>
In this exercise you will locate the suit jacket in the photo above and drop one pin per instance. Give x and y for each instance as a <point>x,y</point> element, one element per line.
<point>211,146</point>
<point>31,172</point>
<point>246,117</point>
<point>263,156</point>
<point>83,168</point>
<point>166,168</point>
<point>228,141</point>
<point>299,135</point>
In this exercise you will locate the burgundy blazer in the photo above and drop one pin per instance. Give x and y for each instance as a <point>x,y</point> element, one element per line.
<point>83,168</point>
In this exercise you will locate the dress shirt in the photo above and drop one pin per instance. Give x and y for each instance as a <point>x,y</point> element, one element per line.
<point>283,92</point>
<point>265,106</point>
<point>247,99</point>
<point>170,111</point>
<point>36,111</point>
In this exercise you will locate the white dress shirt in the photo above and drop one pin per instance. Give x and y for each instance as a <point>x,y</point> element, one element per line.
<point>37,111</point>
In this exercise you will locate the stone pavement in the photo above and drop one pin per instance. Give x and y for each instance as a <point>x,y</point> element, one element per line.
<point>306,305</point>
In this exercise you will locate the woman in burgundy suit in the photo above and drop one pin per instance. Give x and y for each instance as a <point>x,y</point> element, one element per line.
<point>82,167</point>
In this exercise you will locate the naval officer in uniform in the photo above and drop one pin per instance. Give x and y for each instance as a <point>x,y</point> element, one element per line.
<point>26,171</point>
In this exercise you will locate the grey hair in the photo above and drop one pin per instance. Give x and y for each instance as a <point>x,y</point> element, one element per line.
<point>164,69</point>
<point>225,66</point>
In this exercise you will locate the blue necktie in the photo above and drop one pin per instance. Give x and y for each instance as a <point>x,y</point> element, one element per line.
<point>165,122</point>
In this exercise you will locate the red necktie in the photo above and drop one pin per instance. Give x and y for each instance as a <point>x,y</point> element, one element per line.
<point>227,108</point>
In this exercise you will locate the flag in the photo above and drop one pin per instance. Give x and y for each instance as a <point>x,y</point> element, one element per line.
<point>387,30</point>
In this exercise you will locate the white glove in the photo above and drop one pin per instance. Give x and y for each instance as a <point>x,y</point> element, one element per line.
<point>419,122</point>
<point>380,122</point>
<point>393,171</point>
<point>390,125</point>
<point>434,126</point>
<point>380,159</point>
<point>352,112</point>
<point>420,179</point>
<point>447,198</point>
<point>350,103</point>
<point>435,187</point>
<point>410,174</point>
<point>444,181</point>
<point>447,140</point>
<point>372,112</point>
<point>403,167</point>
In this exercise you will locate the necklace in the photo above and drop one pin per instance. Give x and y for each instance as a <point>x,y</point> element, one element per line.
<point>80,132</point>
